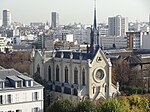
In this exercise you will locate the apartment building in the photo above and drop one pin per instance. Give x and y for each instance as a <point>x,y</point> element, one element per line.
<point>19,93</point>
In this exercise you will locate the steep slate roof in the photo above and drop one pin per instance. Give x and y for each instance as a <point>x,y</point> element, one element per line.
<point>76,55</point>
<point>6,74</point>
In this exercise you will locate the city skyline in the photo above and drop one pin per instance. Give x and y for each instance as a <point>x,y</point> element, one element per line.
<point>70,11</point>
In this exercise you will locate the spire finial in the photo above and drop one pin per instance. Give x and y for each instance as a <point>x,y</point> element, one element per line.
<point>95,14</point>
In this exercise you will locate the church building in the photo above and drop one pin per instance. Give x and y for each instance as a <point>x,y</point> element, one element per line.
<point>76,75</point>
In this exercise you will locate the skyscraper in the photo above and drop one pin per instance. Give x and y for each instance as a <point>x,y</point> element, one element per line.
<point>0,22</point>
<point>54,20</point>
<point>149,23</point>
<point>118,26</point>
<point>6,18</point>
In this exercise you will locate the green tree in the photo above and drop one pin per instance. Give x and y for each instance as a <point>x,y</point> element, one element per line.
<point>86,106</point>
<point>112,105</point>
<point>138,102</point>
<point>61,106</point>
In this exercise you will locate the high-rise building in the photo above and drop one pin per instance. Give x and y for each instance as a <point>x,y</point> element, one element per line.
<point>118,26</point>
<point>149,23</point>
<point>0,22</point>
<point>54,20</point>
<point>6,18</point>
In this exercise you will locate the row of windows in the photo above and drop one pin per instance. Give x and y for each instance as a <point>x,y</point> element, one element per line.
<point>12,111</point>
<point>36,109</point>
<point>8,98</point>
<point>66,75</point>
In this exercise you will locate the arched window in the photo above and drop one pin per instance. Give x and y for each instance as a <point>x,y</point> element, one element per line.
<point>93,89</point>
<point>83,76</point>
<point>49,73</point>
<point>38,69</point>
<point>105,88</point>
<point>66,74</point>
<point>76,75</point>
<point>57,73</point>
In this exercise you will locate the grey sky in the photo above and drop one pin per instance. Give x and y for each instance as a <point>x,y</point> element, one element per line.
<point>71,11</point>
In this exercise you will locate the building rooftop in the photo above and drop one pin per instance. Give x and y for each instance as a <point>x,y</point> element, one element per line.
<point>9,75</point>
<point>15,78</point>
<point>76,55</point>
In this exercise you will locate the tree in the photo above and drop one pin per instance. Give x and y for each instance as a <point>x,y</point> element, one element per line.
<point>61,106</point>
<point>121,71</point>
<point>138,102</point>
<point>86,106</point>
<point>113,105</point>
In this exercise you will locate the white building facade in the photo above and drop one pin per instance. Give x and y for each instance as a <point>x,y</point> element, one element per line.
<point>145,42</point>
<point>117,26</point>
<point>0,22</point>
<point>135,39</point>
<point>114,42</point>
<point>5,43</point>
<point>19,93</point>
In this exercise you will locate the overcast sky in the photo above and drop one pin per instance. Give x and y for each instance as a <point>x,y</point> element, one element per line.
<point>71,11</point>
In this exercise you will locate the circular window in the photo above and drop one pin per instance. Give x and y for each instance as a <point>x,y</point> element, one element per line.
<point>99,74</point>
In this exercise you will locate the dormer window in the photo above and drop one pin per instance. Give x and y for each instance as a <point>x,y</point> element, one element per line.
<point>18,83</point>
<point>29,83</point>
<point>1,85</point>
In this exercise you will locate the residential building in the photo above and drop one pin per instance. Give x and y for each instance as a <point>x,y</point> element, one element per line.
<point>0,22</point>
<point>114,42</point>
<point>54,20</point>
<point>5,44</point>
<point>6,18</point>
<point>117,26</point>
<point>19,93</point>
<point>134,39</point>
<point>103,32</point>
<point>139,26</point>
<point>145,42</point>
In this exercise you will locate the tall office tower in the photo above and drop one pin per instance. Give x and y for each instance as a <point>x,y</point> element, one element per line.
<point>0,22</point>
<point>6,18</point>
<point>117,26</point>
<point>54,20</point>
<point>149,23</point>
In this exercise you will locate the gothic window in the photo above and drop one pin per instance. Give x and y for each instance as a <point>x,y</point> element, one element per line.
<point>93,89</point>
<point>38,69</point>
<point>57,73</point>
<point>105,88</point>
<point>75,76</point>
<point>66,74</point>
<point>83,76</point>
<point>49,73</point>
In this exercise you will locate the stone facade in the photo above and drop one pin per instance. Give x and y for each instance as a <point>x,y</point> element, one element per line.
<point>75,75</point>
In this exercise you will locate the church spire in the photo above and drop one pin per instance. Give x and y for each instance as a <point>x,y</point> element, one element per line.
<point>95,14</point>
<point>94,44</point>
